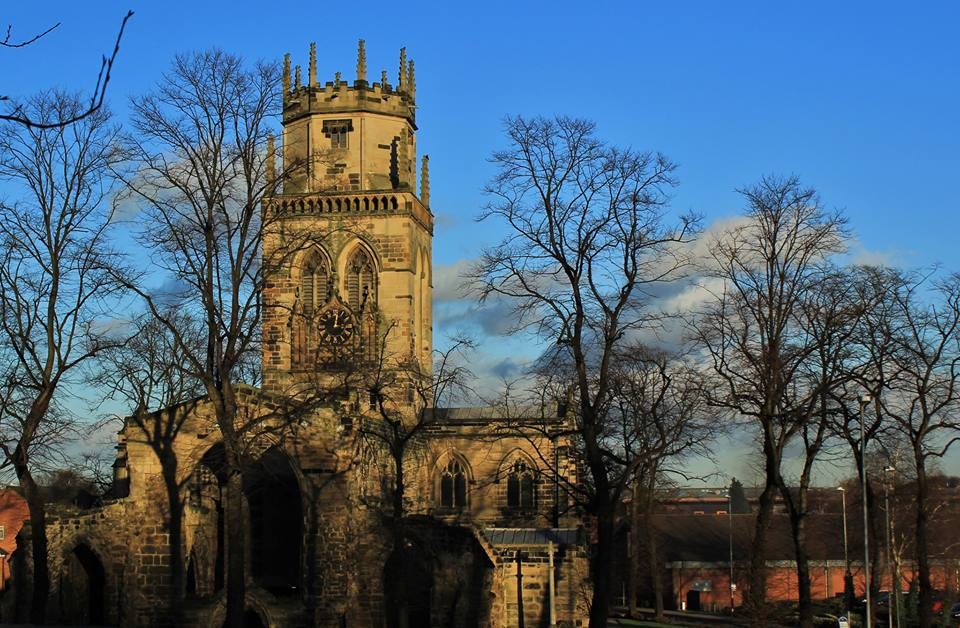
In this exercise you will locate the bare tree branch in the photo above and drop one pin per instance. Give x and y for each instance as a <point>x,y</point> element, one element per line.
<point>43,119</point>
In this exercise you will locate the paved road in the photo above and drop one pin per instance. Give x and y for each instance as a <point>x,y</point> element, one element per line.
<point>685,618</point>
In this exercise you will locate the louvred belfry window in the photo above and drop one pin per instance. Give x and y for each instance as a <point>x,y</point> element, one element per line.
<point>314,281</point>
<point>361,281</point>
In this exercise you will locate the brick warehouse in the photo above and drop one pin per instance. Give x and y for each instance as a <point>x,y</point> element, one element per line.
<point>484,518</point>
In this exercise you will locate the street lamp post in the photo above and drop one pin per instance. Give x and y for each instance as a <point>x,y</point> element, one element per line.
<point>730,543</point>
<point>864,401</point>
<point>893,604</point>
<point>848,576</point>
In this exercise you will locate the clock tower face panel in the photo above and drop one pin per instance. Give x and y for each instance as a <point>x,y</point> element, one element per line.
<point>336,327</point>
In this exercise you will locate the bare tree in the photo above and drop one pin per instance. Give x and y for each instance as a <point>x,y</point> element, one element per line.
<point>921,393</point>
<point>57,280</point>
<point>203,172</point>
<point>659,402</point>
<point>587,242</point>
<point>869,350</point>
<point>23,114</point>
<point>769,361</point>
<point>829,319</point>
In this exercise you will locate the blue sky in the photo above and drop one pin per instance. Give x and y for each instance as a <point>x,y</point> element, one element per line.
<point>860,99</point>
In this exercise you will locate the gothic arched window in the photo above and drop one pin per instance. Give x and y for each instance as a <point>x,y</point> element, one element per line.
<point>361,280</point>
<point>520,486</point>
<point>314,283</point>
<point>453,486</point>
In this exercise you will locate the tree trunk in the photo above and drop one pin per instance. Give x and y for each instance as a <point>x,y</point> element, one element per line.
<point>756,599</point>
<point>655,572</point>
<point>38,542</point>
<point>601,567</point>
<point>175,530</point>
<point>236,547</point>
<point>633,564</point>
<point>925,602</point>
<point>798,527</point>
<point>797,506</point>
<point>401,590</point>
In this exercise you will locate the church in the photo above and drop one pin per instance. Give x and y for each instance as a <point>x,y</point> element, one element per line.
<point>488,535</point>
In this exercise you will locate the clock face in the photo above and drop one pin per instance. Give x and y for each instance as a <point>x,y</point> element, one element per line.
<point>336,326</point>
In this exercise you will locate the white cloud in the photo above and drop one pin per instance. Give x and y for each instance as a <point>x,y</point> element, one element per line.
<point>449,283</point>
<point>862,256</point>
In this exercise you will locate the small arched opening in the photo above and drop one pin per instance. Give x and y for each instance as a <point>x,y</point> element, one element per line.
<point>83,584</point>
<point>192,576</point>
<point>210,481</point>
<point>251,619</point>
<point>360,280</point>
<point>314,281</point>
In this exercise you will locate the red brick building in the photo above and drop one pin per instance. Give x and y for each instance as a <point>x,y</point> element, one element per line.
<point>695,537</point>
<point>13,513</point>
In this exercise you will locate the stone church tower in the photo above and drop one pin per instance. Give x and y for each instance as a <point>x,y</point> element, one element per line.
<point>351,235</point>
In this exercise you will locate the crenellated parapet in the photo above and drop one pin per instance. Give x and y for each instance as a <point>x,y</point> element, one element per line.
<point>339,95</point>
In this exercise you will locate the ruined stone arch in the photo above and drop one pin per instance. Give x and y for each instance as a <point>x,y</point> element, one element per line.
<point>275,507</point>
<point>408,583</point>
<point>199,575</point>
<point>273,488</point>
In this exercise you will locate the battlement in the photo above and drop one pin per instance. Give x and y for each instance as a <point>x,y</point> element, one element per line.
<point>339,96</point>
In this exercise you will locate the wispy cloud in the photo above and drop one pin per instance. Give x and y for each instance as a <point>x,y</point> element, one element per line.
<point>862,256</point>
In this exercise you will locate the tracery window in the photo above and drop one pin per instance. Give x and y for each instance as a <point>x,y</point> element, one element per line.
<point>520,486</point>
<point>453,486</point>
<point>361,280</point>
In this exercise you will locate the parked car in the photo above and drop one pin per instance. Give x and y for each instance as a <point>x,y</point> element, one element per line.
<point>881,603</point>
